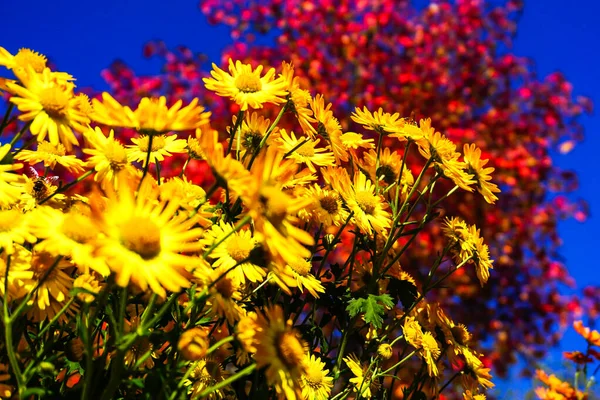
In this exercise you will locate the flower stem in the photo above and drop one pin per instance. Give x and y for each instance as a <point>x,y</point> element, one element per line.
<point>246,371</point>
<point>68,186</point>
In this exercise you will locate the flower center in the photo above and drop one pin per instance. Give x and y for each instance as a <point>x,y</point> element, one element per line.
<point>238,248</point>
<point>41,262</point>
<point>252,140</point>
<point>78,228</point>
<point>248,83</point>
<point>301,266</point>
<point>366,201</point>
<point>289,349</point>
<point>314,378</point>
<point>329,204</point>
<point>55,102</point>
<point>116,155</point>
<point>386,174</point>
<point>225,287</point>
<point>47,147</point>
<point>141,236</point>
<point>27,57</point>
<point>158,143</point>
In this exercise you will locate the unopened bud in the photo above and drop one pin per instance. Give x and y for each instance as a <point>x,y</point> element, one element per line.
<point>385,351</point>
<point>193,344</point>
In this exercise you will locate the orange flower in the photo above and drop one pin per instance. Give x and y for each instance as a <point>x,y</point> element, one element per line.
<point>593,337</point>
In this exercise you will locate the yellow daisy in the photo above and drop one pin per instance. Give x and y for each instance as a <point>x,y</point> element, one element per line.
<point>206,373</point>
<point>11,185</point>
<point>304,150</point>
<point>408,130</point>
<point>251,133</point>
<point>316,385</point>
<point>298,100</point>
<point>281,350</point>
<point>51,106</point>
<point>353,140</point>
<point>191,198</point>
<point>470,396</point>
<point>430,352</point>
<point>475,167</point>
<point>20,274</point>
<point>442,152</point>
<point>144,238</point>
<point>108,158</point>
<point>51,154</point>
<point>236,248</point>
<point>14,230</point>
<point>363,380</point>
<point>53,292</point>
<point>482,260</point>
<point>246,86</point>
<point>225,295</point>
<point>23,59</point>
<point>162,145</point>
<point>304,279</point>
<point>325,207</point>
<point>386,169</point>
<point>151,115</point>
<point>140,348</point>
<point>90,283</point>
<point>475,374</point>
<point>70,234</point>
<point>329,127</point>
<point>369,208</point>
<point>378,121</point>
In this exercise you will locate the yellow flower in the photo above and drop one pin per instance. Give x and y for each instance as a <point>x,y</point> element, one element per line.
<point>304,279</point>
<point>143,241</point>
<point>386,169</point>
<point>11,186</point>
<point>51,106</point>
<point>91,284</point>
<point>251,132</point>
<point>69,234</point>
<point>329,127</point>
<point>475,167</point>
<point>475,374</point>
<point>234,249</point>
<point>442,152</point>
<point>430,352</point>
<point>385,351</point>
<point>140,348</point>
<point>162,145</point>
<point>53,292</point>
<point>470,396</point>
<point>245,86</point>
<point>325,207</point>
<point>363,381</point>
<point>408,130</point>
<point>14,229</point>
<point>299,100</point>
<point>412,331</point>
<point>151,115</point>
<point>305,151</point>
<point>23,59</point>
<point>20,274</point>
<point>353,140</point>
<point>191,197</point>
<point>247,332</point>
<point>225,295</point>
<point>193,344</point>
<point>206,373</point>
<point>281,349</point>
<point>378,121</point>
<point>315,383</point>
<point>482,260</point>
<point>368,207</point>
<point>51,154</point>
<point>108,158</point>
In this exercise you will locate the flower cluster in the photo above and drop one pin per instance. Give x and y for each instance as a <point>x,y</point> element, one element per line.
<point>437,60</point>
<point>281,278</point>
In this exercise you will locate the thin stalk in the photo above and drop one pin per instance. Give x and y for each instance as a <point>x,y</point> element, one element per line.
<point>147,163</point>
<point>68,186</point>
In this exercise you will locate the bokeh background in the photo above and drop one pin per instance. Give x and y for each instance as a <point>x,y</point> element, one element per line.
<point>84,37</point>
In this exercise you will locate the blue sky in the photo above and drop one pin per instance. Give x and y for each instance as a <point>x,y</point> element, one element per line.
<point>84,37</point>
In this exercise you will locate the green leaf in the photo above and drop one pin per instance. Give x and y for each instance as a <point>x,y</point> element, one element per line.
<point>371,307</point>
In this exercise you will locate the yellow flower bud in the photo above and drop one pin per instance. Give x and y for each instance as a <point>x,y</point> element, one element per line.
<point>385,351</point>
<point>193,344</point>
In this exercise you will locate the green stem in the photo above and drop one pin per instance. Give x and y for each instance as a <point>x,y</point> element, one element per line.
<point>398,363</point>
<point>16,138</point>
<point>246,371</point>
<point>147,163</point>
<point>236,127</point>
<point>219,344</point>
<point>216,244</point>
<point>338,360</point>
<point>4,123</point>
<point>56,317</point>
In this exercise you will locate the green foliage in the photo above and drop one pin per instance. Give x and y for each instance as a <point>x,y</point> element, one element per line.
<point>373,307</point>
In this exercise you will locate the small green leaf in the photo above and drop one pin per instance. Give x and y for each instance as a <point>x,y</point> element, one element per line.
<point>355,307</point>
